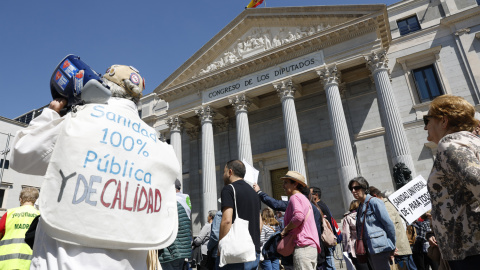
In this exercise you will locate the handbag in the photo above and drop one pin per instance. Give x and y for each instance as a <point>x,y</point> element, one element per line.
<point>286,246</point>
<point>237,246</point>
<point>360,250</point>
<point>328,237</point>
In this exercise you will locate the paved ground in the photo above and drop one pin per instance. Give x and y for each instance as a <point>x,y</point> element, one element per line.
<point>339,264</point>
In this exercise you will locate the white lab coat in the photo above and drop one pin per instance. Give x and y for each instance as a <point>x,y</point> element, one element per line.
<point>32,150</point>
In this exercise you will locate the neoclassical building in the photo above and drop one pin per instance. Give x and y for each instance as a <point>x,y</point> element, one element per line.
<point>329,91</point>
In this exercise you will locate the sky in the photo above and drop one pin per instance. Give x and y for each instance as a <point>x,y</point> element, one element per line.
<point>154,36</point>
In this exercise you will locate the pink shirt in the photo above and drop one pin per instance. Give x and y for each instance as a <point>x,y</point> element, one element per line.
<point>298,213</point>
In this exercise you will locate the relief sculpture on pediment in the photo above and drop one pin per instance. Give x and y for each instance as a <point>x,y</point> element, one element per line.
<point>258,40</point>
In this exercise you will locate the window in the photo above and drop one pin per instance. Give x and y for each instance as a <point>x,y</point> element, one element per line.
<point>425,78</point>
<point>6,165</point>
<point>408,25</point>
<point>2,195</point>
<point>4,187</point>
<point>428,85</point>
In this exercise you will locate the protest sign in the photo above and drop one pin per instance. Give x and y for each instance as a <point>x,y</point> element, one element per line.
<point>412,200</point>
<point>110,177</point>
<point>251,174</point>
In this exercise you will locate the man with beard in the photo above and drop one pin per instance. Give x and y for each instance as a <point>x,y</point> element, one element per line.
<point>248,208</point>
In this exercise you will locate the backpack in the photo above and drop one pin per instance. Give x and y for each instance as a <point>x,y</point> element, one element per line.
<point>328,237</point>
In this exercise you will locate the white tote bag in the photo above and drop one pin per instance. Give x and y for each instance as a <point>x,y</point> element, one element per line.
<point>237,246</point>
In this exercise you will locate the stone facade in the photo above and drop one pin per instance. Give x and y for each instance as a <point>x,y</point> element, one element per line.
<point>328,90</point>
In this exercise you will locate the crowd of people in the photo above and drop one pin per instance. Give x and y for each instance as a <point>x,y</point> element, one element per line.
<point>298,233</point>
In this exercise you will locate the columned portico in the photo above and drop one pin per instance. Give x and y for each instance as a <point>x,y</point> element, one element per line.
<point>175,124</point>
<point>209,182</point>
<point>399,149</point>
<point>286,91</point>
<point>286,48</point>
<point>341,140</point>
<point>241,104</point>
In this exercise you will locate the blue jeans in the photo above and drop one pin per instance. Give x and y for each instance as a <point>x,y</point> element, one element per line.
<point>240,266</point>
<point>329,263</point>
<point>406,260</point>
<point>272,264</point>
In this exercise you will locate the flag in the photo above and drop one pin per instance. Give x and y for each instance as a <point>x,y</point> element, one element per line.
<point>254,3</point>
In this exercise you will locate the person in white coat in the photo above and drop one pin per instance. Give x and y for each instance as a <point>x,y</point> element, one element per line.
<point>32,153</point>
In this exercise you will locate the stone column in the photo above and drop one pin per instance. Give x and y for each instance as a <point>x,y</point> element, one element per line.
<point>175,124</point>
<point>397,139</point>
<point>241,104</point>
<point>209,179</point>
<point>347,169</point>
<point>286,91</point>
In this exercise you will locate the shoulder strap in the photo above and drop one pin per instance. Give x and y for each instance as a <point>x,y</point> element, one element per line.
<point>234,201</point>
<point>364,215</point>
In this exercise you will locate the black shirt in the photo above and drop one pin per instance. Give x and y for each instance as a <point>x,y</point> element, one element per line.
<point>248,205</point>
<point>328,217</point>
<point>326,213</point>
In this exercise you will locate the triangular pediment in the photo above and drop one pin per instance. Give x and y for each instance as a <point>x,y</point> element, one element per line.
<point>257,32</point>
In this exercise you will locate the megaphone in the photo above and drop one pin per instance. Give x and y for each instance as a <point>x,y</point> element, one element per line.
<point>78,83</point>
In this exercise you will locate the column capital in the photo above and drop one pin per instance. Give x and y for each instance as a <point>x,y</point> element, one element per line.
<point>285,89</point>
<point>329,75</point>
<point>241,103</point>
<point>175,123</point>
<point>377,61</point>
<point>205,113</point>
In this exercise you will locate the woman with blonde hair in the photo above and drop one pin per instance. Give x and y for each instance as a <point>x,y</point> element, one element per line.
<point>454,182</point>
<point>270,226</point>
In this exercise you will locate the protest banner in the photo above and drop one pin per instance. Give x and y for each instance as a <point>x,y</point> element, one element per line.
<point>110,182</point>
<point>412,200</point>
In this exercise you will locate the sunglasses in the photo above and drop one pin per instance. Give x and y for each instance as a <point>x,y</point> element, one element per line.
<point>356,188</point>
<point>426,119</point>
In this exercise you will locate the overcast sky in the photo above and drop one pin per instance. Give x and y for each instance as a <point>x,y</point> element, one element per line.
<point>154,36</point>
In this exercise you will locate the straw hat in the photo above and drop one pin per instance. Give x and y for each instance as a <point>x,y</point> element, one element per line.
<point>295,176</point>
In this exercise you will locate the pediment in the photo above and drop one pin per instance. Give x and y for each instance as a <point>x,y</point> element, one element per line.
<point>260,39</point>
<point>257,32</point>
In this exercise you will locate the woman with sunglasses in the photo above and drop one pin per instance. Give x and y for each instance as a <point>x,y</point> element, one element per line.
<point>378,229</point>
<point>454,182</point>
